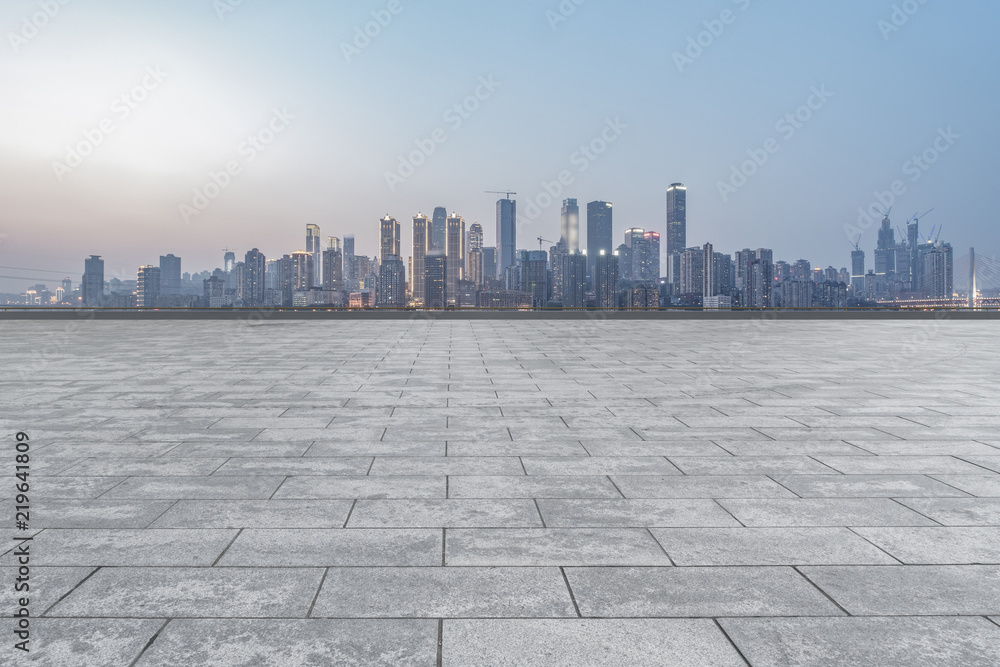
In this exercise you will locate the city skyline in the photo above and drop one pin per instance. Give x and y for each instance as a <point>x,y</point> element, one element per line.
<point>325,138</point>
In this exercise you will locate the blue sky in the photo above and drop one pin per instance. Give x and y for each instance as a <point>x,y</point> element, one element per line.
<point>345,122</point>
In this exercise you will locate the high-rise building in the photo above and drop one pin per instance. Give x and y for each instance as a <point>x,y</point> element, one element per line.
<point>350,264</point>
<point>439,230</point>
<point>506,235</point>
<point>476,236</point>
<point>651,260</point>
<point>436,281</point>
<point>92,287</point>
<point>802,270</point>
<point>570,225</point>
<point>456,253</point>
<point>600,232</point>
<point>885,252</point>
<point>170,274</point>
<point>147,287</point>
<point>489,263</point>
<point>229,261</point>
<point>606,281</point>
<point>333,266</point>
<point>389,238</point>
<point>535,277</point>
<point>676,218</point>
<point>314,246</point>
<point>391,283</point>
<point>476,272</point>
<point>692,273</point>
<point>858,272</point>
<point>708,271</point>
<point>303,271</point>
<point>632,262</point>
<point>254,278</point>
<point>574,280</point>
<point>422,237</point>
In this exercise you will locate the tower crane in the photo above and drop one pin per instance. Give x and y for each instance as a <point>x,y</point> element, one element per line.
<point>542,241</point>
<point>506,194</point>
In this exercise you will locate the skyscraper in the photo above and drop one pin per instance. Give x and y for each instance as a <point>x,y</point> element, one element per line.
<point>229,261</point>
<point>147,287</point>
<point>885,251</point>
<point>476,236</point>
<point>574,280</point>
<point>436,281</point>
<point>422,229</point>
<point>651,261</point>
<point>456,253</point>
<point>350,264</point>
<point>314,246</point>
<point>255,265</point>
<point>389,238</point>
<point>600,232</point>
<point>534,277</point>
<point>606,281</point>
<point>570,225</point>
<point>708,271</point>
<point>303,271</point>
<point>391,283</point>
<point>439,229</point>
<point>170,274</point>
<point>676,218</point>
<point>333,266</point>
<point>858,272</point>
<point>92,287</point>
<point>506,235</point>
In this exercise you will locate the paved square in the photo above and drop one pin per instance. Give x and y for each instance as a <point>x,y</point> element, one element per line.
<point>531,492</point>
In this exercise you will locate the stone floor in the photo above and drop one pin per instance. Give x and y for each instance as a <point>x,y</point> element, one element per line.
<point>506,493</point>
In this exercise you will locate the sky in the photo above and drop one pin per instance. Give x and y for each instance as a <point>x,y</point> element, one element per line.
<point>136,128</point>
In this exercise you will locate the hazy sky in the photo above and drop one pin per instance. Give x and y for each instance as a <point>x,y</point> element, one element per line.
<point>162,94</point>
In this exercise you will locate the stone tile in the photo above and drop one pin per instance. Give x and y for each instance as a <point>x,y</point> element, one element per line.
<point>940,590</point>
<point>825,512</point>
<point>163,467</point>
<point>793,448</point>
<point>83,642</point>
<point>176,592</point>
<point>445,514</point>
<point>900,465</point>
<point>938,546</point>
<point>256,514</point>
<point>982,486</point>
<point>334,548</point>
<point>552,547</point>
<point>556,448</point>
<point>239,449</point>
<point>633,513</point>
<point>349,449</point>
<point>958,511</point>
<point>700,487</point>
<point>363,487</point>
<point>436,592</point>
<point>575,642</point>
<point>95,513</point>
<point>47,585</point>
<point>531,487</point>
<point>295,466</point>
<point>447,466</point>
<point>860,642</point>
<point>70,488</point>
<point>603,465</point>
<point>768,546</point>
<point>196,488</point>
<point>926,448</point>
<point>867,486</point>
<point>678,592</point>
<point>124,547</point>
<point>305,643</point>
<point>752,465</point>
<point>988,462</point>
<point>634,448</point>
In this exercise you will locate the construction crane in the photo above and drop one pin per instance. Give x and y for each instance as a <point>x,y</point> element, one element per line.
<point>506,194</point>
<point>857,244</point>
<point>542,241</point>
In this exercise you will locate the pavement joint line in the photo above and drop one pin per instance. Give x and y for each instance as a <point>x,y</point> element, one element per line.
<point>440,642</point>
<point>569,589</point>
<point>235,537</point>
<point>319,589</point>
<point>855,531</point>
<point>70,591</point>
<point>157,518</point>
<point>149,643</point>
<point>662,548</point>
<point>824,593</point>
<point>937,523</point>
<point>732,643</point>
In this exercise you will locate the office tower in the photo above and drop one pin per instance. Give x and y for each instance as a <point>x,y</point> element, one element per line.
<point>92,287</point>
<point>722,280</point>
<point>254,280</point>
<point>885,253</point>
<point>535,277</point>
<point>708,271</point>
<point>314,246</point>
<point>147,287</point>
<point>439,230</point>
<point>476,272</point>
<point>350,264</point>
<point>558,252</point>
<point>476,236</point>
<point>631,262</point>
<point>170,274</point>
<point>389,238</point>
<point>506,235</point>
<point>391,283</point>
<point>574,280</point>
<point>303,271</point>
<point>760,281</point>
<point>676,218</point>
<point>229,261</point>
<point>606,281</point>
<point>474,253</point>
<point>489,263</point>
<point>436,281</point>
<point>651,259</point>
<point>272,274</point>
<point>456,253</point>
<point>570,225</point>
<point>600,232</point>
<point>913,243</point>
<point>858,272</point>
<point>422,237</point>
<point>692,273</point>
<point>237,284</point>
<point>831,275</point>
<point>935,283</point>
<point>333,266</point>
